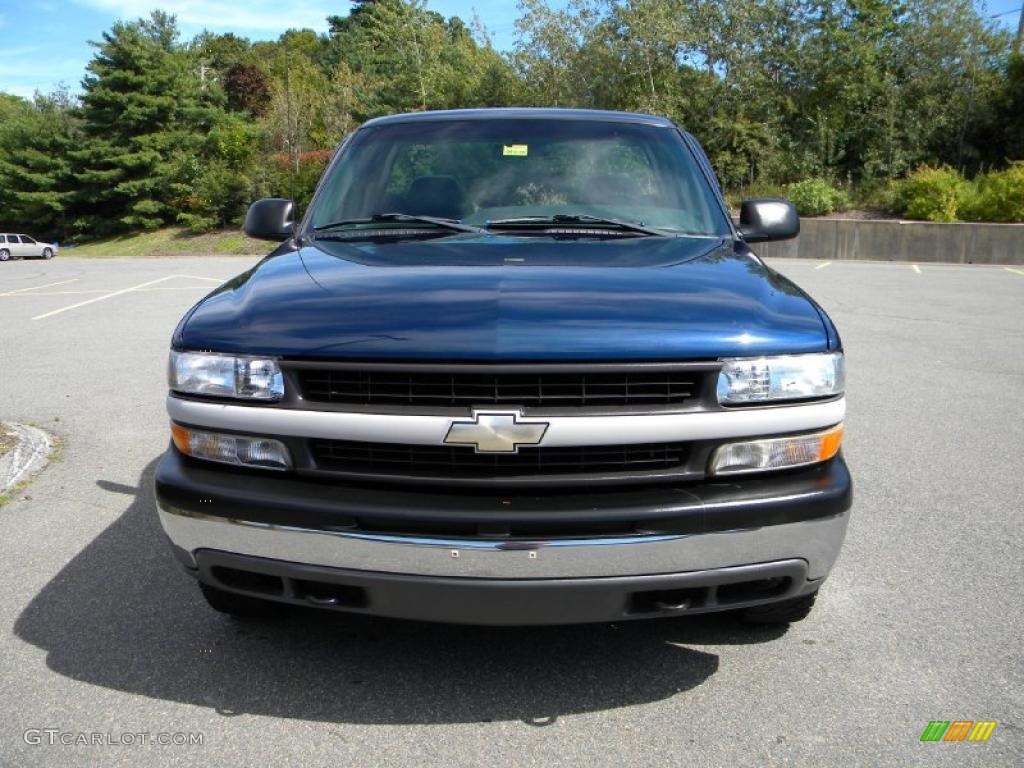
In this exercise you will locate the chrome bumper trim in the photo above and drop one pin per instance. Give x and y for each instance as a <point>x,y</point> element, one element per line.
<point>816,541</point>
<point>563,430</point>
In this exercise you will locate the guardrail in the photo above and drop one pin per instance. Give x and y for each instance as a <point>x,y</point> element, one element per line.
<point>912,241</point>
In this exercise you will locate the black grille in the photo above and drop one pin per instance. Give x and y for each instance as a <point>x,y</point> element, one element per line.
<point>439,389</point>
<point>452,461</point>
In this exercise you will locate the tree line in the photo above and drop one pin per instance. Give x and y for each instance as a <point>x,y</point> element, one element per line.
<point>854,93</point>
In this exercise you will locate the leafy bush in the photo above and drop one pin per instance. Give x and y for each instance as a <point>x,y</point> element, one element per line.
<point>220,184</point>
<point>219,197</point>
<point>997,196</point>
<point>932,194</point>
<point>881,196</point>
<point>733,197</point>
<point>296,177</point>
<point>816,197</point>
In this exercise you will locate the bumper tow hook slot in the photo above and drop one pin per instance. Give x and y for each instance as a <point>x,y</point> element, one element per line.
<point>673,605</point>
<point>316,600</point>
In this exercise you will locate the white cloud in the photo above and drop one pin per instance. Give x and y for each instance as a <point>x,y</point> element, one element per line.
<point>25,91</point>
<point>21,51</point>
<point>254,16</point>
<point>25,70</point>
<point>35,62</point>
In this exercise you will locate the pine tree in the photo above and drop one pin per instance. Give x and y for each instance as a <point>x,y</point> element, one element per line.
<point>35,174</point>
<point>145,109</point>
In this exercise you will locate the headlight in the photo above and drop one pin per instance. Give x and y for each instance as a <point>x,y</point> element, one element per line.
<point>204,373</point>
<point>790,377</point>
<point>259,452</point>
<point>777,452</point>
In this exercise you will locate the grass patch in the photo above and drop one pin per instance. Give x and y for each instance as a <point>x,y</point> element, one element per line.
<point>56,454</point>
<point>56,450</point>
<point>13,493</point>
<point>169,242</point>
<point>7,440</point>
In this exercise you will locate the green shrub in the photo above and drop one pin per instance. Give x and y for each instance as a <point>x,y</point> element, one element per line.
<point>297,181</point>
<point>932,194</point>
<point>816,197</point>
<point>750,191</point>
<point>997,196</point>
<point>219,197</point>
<point>879,195</point>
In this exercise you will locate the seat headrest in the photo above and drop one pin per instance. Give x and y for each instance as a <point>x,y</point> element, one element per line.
<point>439,196</point>
<point>611,188</point>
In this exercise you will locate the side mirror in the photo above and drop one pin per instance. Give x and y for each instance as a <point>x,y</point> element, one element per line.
<point>272,218</point>
<point>768,219</point>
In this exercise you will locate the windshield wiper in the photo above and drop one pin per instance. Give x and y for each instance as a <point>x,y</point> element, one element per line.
<point>578,218</point>
<point>452,224</point>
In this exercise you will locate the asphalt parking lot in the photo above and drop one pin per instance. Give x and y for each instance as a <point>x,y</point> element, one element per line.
<point>922,619</point>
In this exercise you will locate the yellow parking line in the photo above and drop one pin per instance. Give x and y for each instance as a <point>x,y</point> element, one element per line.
<point>200,277</point>
<point>104,290</point>
<point>37,287</point>
<point>1015,271</point>
<point>916,268</point>
<point>822,266</point>
<point>104,297</point>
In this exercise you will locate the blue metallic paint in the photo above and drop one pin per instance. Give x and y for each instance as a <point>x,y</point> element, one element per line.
<point>514,113</point>
<point>500,298</point>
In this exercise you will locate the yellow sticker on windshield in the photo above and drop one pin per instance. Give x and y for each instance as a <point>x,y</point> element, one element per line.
<point>514,150</point>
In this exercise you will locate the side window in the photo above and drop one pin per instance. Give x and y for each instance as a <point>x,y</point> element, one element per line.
<point>27,240</point>
<point>3,238</point>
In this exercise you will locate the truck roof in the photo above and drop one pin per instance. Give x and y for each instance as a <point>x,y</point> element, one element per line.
<point>521,113</point>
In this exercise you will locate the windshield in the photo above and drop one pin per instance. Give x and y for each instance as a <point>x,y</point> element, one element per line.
<point>477,171</point>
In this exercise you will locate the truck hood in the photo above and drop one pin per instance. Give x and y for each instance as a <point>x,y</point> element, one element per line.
<point>501,298</point>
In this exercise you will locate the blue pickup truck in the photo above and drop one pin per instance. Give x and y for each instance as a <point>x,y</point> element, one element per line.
<point>512,366</point>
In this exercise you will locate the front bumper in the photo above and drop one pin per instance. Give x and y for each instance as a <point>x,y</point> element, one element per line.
<point>708,547</point>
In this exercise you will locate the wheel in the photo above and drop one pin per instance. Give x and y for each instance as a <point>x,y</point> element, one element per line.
<point>4,254</point>
<point>785,612</point>
<point>241,606</point>
<point>47,253</point>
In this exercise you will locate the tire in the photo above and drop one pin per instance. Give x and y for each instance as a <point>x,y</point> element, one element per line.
<point>239,606</point>
<point>4,254</point>
<point>785,612</point>
<point>47,253</point>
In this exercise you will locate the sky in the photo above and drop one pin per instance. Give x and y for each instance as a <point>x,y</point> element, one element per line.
<point>46,42</point>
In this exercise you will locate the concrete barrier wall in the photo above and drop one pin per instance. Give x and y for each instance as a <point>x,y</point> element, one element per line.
<point>914,241</point>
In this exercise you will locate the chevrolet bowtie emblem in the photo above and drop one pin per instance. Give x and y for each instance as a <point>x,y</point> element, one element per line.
<point>496,432</point>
